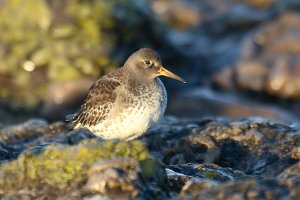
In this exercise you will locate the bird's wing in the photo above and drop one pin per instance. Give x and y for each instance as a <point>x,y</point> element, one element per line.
<point>97,104</point>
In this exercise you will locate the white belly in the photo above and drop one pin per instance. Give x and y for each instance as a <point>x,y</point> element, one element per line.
<point>133,116</point>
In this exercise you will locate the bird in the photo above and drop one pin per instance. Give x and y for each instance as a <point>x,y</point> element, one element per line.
<point>128,102</point>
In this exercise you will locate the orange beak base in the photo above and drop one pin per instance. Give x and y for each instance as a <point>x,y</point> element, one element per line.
<point>164,72</point>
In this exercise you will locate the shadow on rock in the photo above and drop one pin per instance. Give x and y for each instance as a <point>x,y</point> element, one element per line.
<point>186,159</point>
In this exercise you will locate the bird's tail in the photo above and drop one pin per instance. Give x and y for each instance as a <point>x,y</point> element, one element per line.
<point>70,121</point>
<point>70,117</point>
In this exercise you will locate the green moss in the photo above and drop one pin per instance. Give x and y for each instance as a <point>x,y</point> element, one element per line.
<point>240,176</point>
<point>62,166</point>
<point>154,171</point>
<point>211,174</point>
<point>65,40</point>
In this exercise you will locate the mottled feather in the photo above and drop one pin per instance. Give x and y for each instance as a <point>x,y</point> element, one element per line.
<point>128,102</point>
<point>97,104</point>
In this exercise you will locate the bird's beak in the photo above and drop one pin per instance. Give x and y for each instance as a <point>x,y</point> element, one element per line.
<point>164,72</point>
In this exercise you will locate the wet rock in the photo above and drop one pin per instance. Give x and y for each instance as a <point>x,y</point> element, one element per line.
<point>209,176</point>
<point>36,134</point>
<point>178,144</point>
<point>251,75</point>
<point>259,148</point>
<point>178,14</point>
<point>177,180</point>
<point>260,4</point>
<point>186,159</point>
<point>248,46</point>
<point>230,12</point>
<point>291,178</point>
<point>124,178</point>
<point>240,190</point>
<point>253,148</point>
<point>256,146</point>
<point>212,38</point>
<point>204,102</point>
<point>113,177</point>
<point>190,177</point>
<point>62,167</point>
<point>195,185</point>
<point>26,129</point>
<point>268,61</point>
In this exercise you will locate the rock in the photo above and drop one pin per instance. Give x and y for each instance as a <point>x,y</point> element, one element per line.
<point>33,134</point>
<point>190,177</point>
<point>23,130</point>
<point>125,178</point>
<point>240,190</point>
<point>249,45</point>
<point>63,167</point>
<point>255,149</point>
<point>179,159</point>
<point>205,102</point>
<point>178,14</point>
<point>268,61</point>
<point>194,186</point>
<point>61,97</point>
<point>259,148</point>
<point>291,178</point>
<point>251,75</point>
<point>208,176</point>
<point>112,177</point>
<point>177,180</point>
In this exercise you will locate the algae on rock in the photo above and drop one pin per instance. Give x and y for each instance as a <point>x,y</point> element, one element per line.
<point>53,41</point>
<point>62,166</point>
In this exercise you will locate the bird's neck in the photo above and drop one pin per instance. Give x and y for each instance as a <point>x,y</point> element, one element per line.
<point>138,78</point>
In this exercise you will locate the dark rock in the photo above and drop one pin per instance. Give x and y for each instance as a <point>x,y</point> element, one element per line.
<point>194,186</point>
<point>201,159</point>
<point>204,102</point>
<point>259,148</point>
<point>177,180</point>
<point>64,169</point>
<point>122,178</point>
<point>291,178</point>
<point>178,14</point>
<point>191,177</point>
<point>237,190</point>
<point>268,61</point>
<point>113,177</point>
<point>35,135</point>
<point>212,172</point>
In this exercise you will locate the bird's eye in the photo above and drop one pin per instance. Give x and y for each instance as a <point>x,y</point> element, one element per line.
<point>147,62</point>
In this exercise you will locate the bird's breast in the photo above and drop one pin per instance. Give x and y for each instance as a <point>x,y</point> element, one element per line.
<point>135,112</point>
<point>148,108</point>
<point>149,103</point>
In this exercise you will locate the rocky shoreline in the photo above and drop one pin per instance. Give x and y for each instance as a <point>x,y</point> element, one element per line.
<point>180,159</point>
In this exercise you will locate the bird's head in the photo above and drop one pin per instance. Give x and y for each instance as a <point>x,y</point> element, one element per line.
<point>145,63</point>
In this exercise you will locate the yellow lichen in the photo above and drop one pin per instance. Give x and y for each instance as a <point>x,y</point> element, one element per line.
<point>60,166</point>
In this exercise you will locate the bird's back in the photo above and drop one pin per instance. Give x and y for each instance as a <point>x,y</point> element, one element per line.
<point>99,101</point>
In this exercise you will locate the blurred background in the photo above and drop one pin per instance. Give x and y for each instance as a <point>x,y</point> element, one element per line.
<point>240,57</point>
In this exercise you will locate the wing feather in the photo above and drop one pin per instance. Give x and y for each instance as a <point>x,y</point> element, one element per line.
<point>97,104</point>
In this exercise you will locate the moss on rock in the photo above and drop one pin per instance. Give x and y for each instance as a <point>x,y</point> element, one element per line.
<point>55,41</point>
<point>211,174</point>
<point>62,166</point>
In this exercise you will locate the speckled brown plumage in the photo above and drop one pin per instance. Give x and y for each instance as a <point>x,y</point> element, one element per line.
<point>128,102</point>
<point>99,101</point>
